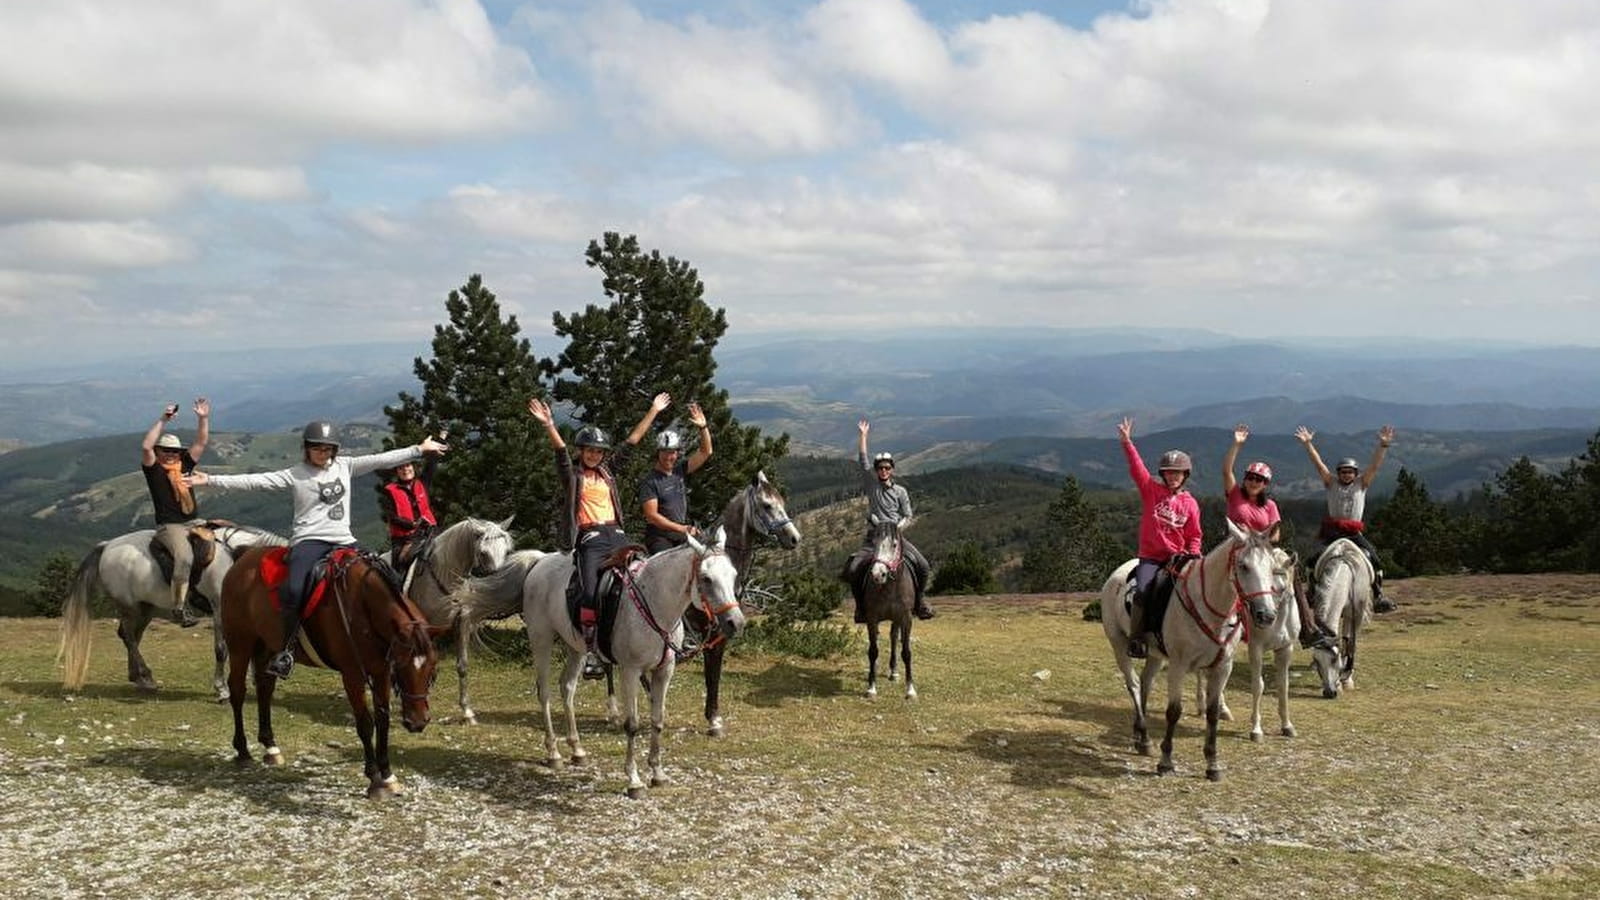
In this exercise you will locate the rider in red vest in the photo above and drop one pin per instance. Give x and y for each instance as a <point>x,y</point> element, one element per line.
<point>404,504</point>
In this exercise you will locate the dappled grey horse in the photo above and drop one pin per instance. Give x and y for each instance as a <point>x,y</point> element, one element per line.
<point>645,638</point>
<point>1343,604</point>
<point>123,569</point>
<point>1200,630</point>
<point>1279,638</point>
<point>469,547</point>
<point>888,591</point>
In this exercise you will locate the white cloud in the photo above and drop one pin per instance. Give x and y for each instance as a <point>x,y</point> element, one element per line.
<point>48,244</point>
<point>519,214</point>
<point>258,183</point>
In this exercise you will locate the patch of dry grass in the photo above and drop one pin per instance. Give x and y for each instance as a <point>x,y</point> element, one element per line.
<point>1461,764</point>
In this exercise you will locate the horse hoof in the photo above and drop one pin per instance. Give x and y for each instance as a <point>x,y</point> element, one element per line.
<point>145,687</point>
<point>222,697</point>
<point>1213,774</point>
<point>579,759</point>
<point>378,791</point>
<point>636,792</point>
<point>1142,749</point>
<point>1288,731</point>
<point>1165,768</point>
<point>242,760</point>
<point>715,729</point>
<point>393,784</point>
<point>872,693</point>
<point>1225,714</point>
<point>894,676</point>
<point>657,780</point>
<point>1257,736</point>
<point>469,717</point>
<point>273,757</point>
<point>911,692</point>
<point>555,762</point>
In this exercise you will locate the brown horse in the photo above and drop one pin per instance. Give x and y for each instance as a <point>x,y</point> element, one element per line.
<point>363,628</point>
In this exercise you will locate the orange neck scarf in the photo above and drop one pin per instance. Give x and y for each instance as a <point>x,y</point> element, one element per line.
<point>179,488</point>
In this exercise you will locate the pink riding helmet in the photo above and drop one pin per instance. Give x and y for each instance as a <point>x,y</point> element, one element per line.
<point>1259,468</point>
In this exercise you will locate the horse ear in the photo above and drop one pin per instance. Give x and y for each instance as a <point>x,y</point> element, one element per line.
<point>505,525</point>
<point>761,478</point>
<point>1237,533</point>
<point>699,548</point>
<point>719,538</point>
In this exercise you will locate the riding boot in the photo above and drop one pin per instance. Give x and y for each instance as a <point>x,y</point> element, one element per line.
<point>283,663</point>
<point>593,669</point>
<point>691,639</point>
<point>182,615</point>
<point>1380,602</point>
<point>919,606</point>
<point>1136,645</point>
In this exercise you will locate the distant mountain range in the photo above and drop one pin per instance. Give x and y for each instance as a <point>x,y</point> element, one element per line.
<point>921,390</point>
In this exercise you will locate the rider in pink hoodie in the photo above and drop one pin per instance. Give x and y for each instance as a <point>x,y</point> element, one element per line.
<point>1169,524</point>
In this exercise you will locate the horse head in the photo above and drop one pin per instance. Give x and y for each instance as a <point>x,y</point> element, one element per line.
<point>493,544</point>
<point>766,513</point>
<point>410,656</point>
<point>886,557</point>
<point>716,581</point>
<point>1252,561</point>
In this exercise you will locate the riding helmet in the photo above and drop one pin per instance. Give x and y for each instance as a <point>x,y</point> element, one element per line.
<point>1348,463</point>
<point>320,432</point>
<point>1259,468</point>
<point>592,436</point>
<point>669,440</point>
<point>1176,461</point>
<point>885,457</point>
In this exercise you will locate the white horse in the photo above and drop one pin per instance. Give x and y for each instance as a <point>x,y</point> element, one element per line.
<point>1280,637</point>
<point>644,640</point>
<point>469,547</point>
<point>124,570</point>
<point>1200,630</point>
<point>1343,580</point>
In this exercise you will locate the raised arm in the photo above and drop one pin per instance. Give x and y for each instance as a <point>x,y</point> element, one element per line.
<point>1136,467</point>
<point>1385,438</point>
<point>147,456</point>
<point>202,434</point>
<point>1241,433</point>
<point>659,403</point>
<point>1304,435</point>
<point>282,479</point>
<point>541,413</point>
<point>697,418</point>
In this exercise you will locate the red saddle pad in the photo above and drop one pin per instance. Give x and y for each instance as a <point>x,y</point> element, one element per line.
<point>275,571</point>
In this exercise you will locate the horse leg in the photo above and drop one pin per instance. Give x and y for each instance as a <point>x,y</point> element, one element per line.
<point>712,659</point>
<point>1282,663</point>
<point>1141,739</point>
<point>894,644</point>
<point>380,723</point>
<point>238,662</point>
<point>355,690</point>
<point>613,715</point>
<point>265,685</point>
<point>541,669</point>
<point>905,654</point>
<point>872,658</point>
<point>131,629</point>
<point>1348,677</point>
<point>1147,683</point>
<point>219,649</point>
<point>1174,713</point>
<point>1219,677</point>
<point>1256,687</point>
<point>464,635</point>
<point>569,697</point>
<point>630,724</point>
<point>658,720</point>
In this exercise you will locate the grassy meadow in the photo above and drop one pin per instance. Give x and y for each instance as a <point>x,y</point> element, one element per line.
<point>1461,764</point>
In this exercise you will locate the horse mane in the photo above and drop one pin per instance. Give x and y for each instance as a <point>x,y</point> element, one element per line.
<point>620,557</point>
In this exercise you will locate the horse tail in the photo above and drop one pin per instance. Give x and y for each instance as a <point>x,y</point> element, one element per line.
<point>496,595</point>
<point>75,622</point>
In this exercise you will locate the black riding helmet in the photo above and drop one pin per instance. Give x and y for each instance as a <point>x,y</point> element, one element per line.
<point>592,436</point>
<point>320,431</point>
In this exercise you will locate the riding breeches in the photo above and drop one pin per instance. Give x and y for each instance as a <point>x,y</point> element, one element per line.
<point>595,544</point>
<point>303,559</point>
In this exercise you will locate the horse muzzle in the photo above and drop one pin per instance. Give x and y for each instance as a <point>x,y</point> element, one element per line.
<point>731,623</point>
<point>1263,616</point>
<point>415,720</point>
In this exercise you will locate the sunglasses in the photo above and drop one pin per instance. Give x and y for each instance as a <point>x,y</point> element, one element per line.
<point>1254,477</point>
<point>328,447</point>
<point>884,468</point>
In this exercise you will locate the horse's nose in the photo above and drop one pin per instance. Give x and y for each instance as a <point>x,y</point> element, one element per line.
<point>732,624</point>
<point>1329,693</point>
<point>1264,617</point>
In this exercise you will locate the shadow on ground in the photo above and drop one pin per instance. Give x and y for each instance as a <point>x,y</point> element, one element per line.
<point>278,788</point>
<point>786,681</point>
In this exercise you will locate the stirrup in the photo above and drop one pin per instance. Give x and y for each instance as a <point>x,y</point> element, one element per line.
<point>184,617</point>
<point>1383,604</point>
<point>281,665</point>
<point>922,610</point>
<point>1318,640</point>
<point>592,668</point>
<point>1137,649</point>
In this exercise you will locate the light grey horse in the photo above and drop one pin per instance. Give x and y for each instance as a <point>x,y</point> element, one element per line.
<point>647,633</point>
<point>1201,630</point>
<point>1280,638</point>
<point>469,547</point>
<point>1343,596</point>
<point>123,569</point>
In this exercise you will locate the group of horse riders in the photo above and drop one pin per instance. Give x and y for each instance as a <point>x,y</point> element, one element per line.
<point>593,528</point>
<point>1169,523</point>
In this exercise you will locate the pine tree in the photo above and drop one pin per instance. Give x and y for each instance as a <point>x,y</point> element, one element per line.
<point>656,333</point>
<point>1581,485</point>
<point>1529,526</point>
<point>477,386</point>
<point>1075,553</point>
<point>1416,533</point>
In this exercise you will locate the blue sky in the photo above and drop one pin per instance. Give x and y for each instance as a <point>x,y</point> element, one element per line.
<point>270,174</point>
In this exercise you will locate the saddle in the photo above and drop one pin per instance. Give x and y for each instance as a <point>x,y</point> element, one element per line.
<point>274,572</point>
<point>1153,609</point>
<point>615,573</point>
<point>202,546</point>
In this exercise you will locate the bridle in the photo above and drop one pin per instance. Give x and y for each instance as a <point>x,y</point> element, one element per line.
<point>1230,625</point>
<point>893,562</point>
<point>415,632</point>
<point>694,594</point>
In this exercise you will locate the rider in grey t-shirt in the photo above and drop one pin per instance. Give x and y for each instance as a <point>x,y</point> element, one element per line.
<point>1347,505</point>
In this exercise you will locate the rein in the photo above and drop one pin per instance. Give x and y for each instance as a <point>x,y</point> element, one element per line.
<point>417,627</point>
<point>756,521</point>
<point>689,592</point>
<point>1230,624</point>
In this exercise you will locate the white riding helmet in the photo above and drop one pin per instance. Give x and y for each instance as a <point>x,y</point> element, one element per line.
<point>669,440</point>
<point>885,457</point>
